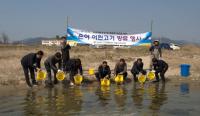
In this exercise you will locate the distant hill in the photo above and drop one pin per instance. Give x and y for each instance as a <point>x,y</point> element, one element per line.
<point>167,40</point>
<point>32,41</point>
<point>37,41</point>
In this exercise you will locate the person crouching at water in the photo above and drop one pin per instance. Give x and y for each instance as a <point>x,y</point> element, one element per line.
<point>31,62</point>
<point>137,68</point>
<point>50,64</point>
<point>160,67</point>
<point>75,67</point>
<point>65,53</point>
<point>121,68</point>
<point>103,71</point>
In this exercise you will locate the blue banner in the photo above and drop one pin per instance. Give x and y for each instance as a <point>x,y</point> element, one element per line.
<point>93,38</point>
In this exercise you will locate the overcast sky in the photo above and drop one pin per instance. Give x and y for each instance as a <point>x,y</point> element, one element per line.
<point>175,19</point>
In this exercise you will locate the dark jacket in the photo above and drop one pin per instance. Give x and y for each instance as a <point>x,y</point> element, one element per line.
<point>75,66</point>
<point>160,66</point>
<point>104,71</point>
<point>65,51</point>
<point>120,68</point>
<point>137,68</point>
<point>30,60</point>
<point>52,61</point>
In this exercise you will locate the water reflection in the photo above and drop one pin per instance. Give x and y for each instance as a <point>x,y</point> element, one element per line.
<point>158,97</point>
<point>53,101</point>
<point>137,95</point>
<point>103,93</point>
<point>120,95</point>
<point>32,103</point>
<point>153,92</point>
<point>72,100</point>
<point>148,99</point>
<point>184,88</point>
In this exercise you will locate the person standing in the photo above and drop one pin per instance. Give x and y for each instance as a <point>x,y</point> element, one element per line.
<point>137,68</point>
<point>31,63</point>
<point>103,71</point>
<point>161,68</point>
<point>50,64</point>
<point>155,50</point>
<point>65,53</point>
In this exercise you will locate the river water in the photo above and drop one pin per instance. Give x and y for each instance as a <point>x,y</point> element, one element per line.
<point>150,99</point>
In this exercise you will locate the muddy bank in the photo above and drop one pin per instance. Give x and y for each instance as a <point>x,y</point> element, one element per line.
<point>92,80</point>
<point>11,70</point>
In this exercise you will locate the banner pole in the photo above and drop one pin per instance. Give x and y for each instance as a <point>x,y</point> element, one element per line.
<point>151,26</point>
<point>151,29</point>
<point>67,26</point>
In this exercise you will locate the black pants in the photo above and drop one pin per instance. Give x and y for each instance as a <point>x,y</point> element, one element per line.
<point>48,69</point>
<point>26,73</point>
<point>135,76</point>
<point>99,77</point>
<point>65,64</point>
<point>72,74</point>
<point>162,74</point>
<point>125,74</point>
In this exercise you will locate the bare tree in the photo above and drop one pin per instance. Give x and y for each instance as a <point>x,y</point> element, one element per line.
<point>57,37</point>
<point>5,39</point>
<point>1,40</point>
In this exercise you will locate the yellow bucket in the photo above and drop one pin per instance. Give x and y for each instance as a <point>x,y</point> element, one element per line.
<point>91,71</point>
<point>119,78</point>
<point>41,75</point>
<point>78,79</point>
<point>105,82</point>
<point>142,78</point>
<point>60,75</point>
<point>151,75</point>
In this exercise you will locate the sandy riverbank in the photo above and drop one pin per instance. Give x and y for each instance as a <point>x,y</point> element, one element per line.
<point>11,71</point>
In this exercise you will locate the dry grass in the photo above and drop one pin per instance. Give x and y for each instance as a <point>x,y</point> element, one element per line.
<point>11,71</point>
<point>189,54</point>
